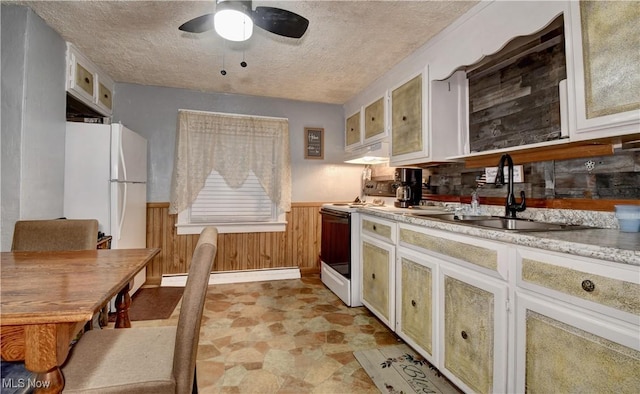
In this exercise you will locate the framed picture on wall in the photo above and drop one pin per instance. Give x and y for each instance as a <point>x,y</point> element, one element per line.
<point>313,143</point>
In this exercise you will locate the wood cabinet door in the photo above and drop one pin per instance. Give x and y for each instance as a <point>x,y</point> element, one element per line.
<point>605,38</point>
<point>570,351</point>
<point>406,118</point>
<point>416,303</point>
<point>378,278</point>
<point>104,97</point>
<point>83,80</point>
<point>352,131</point>
<point>473,333</point>
<point>374,121</point>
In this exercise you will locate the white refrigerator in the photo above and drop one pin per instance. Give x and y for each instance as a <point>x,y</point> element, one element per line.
<point>106,179</point>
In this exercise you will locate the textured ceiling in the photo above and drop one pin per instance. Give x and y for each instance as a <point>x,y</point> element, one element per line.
<point>348,45</point>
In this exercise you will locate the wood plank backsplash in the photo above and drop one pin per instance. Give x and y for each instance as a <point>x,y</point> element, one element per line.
<point>514,101</point>
<point>298,246</point>
<point>614,177</point>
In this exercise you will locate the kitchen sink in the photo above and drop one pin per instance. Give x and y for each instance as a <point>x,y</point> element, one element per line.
<point>451,217</point>
<point>499,222</point>
<point>511,224</point>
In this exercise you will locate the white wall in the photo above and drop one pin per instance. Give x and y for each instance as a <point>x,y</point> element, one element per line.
<point>152,112</point>
<point>33,120</point>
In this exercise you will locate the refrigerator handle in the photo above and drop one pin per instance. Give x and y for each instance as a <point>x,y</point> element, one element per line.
<point>124,211</point>
<point>124,164</point>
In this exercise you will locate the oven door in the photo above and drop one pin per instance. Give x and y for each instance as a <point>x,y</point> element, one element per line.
<point>335,246</point>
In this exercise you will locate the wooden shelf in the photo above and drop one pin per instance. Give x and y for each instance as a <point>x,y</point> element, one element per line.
<point>574,150</point>
<point>551,203</point>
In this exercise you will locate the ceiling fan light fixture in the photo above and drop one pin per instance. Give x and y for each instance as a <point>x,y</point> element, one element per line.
<point>231,22</point>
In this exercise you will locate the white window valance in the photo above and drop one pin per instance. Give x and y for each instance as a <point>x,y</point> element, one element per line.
<point>232,145</point>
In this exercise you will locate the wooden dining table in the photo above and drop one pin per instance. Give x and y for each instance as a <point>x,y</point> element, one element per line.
<point>46,298</point>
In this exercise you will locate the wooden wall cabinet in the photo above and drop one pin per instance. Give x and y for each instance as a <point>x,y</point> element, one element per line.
<point>606,98</point>
<point>409,142</point>
<point>367,126</point>
<point>86,82</point>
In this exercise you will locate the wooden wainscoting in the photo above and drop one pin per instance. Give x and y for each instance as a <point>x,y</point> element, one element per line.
<point>298,246</point>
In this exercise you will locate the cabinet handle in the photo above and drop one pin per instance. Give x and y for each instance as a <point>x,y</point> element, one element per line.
<point>106,96</point>
<point>588,286</point>
<point>86,80</point>
<point>374,227</point>
<point>404,118</point>
<point>413,303</point>
<point>352,129</point>
<point>464,335</point>
<point>373,118</point>
<point>373,276</point>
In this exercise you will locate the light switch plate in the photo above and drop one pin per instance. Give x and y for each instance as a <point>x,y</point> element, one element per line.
<point>491,172</point>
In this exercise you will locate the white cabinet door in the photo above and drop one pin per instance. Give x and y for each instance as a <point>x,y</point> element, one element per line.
<point>605,37</point>
<point>409,131</point>
<point>416,295</point>
<point>448,117</point>
<point>571,350</point>
<point>378,278</point>
<point>472,330</point>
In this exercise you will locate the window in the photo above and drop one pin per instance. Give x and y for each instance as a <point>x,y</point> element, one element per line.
<point>231,171</point>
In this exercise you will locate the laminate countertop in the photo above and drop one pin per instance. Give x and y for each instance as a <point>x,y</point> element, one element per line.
<point>608,244</point>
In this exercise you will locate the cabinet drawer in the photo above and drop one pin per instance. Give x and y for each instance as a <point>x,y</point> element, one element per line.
<point>479,253</point>
<point>379,228</point>
<point>587,282</point>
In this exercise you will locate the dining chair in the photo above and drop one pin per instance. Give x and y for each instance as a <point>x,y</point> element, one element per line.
<point>55,234</point>
<point>147,359</point>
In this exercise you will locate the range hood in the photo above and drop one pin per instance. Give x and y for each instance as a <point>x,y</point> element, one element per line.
<point>375,153</point>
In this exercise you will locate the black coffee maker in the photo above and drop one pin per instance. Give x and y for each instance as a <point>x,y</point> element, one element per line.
<point>409,187</point>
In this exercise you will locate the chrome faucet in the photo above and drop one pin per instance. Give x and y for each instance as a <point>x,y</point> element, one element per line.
<point>510,205</point>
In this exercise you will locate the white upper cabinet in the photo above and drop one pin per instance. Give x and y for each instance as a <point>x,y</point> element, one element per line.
<point>590,87</point>
<point>367,126</point>
<point>409,139</point>
<point>86,82</point>
<point>606,68</point>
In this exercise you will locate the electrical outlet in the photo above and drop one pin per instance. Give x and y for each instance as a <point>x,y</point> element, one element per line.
<point>518,174</point>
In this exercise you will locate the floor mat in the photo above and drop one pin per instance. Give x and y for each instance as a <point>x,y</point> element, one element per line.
<point>153,303</point>
<point>399,369</point>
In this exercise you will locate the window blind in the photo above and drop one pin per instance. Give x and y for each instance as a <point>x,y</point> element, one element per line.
<point>219,203</point>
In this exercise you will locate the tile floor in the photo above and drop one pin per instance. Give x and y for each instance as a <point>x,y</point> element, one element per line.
<point>288,336</point>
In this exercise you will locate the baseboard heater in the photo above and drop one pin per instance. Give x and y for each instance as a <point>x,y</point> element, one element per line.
<point>225,277</point>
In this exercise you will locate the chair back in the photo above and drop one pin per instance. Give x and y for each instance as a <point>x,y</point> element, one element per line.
<point>188,330</point>
<point>56,234</point>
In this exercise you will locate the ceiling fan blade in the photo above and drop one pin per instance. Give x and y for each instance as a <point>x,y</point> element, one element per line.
<point>198,25</point>
<point>279,21</point>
